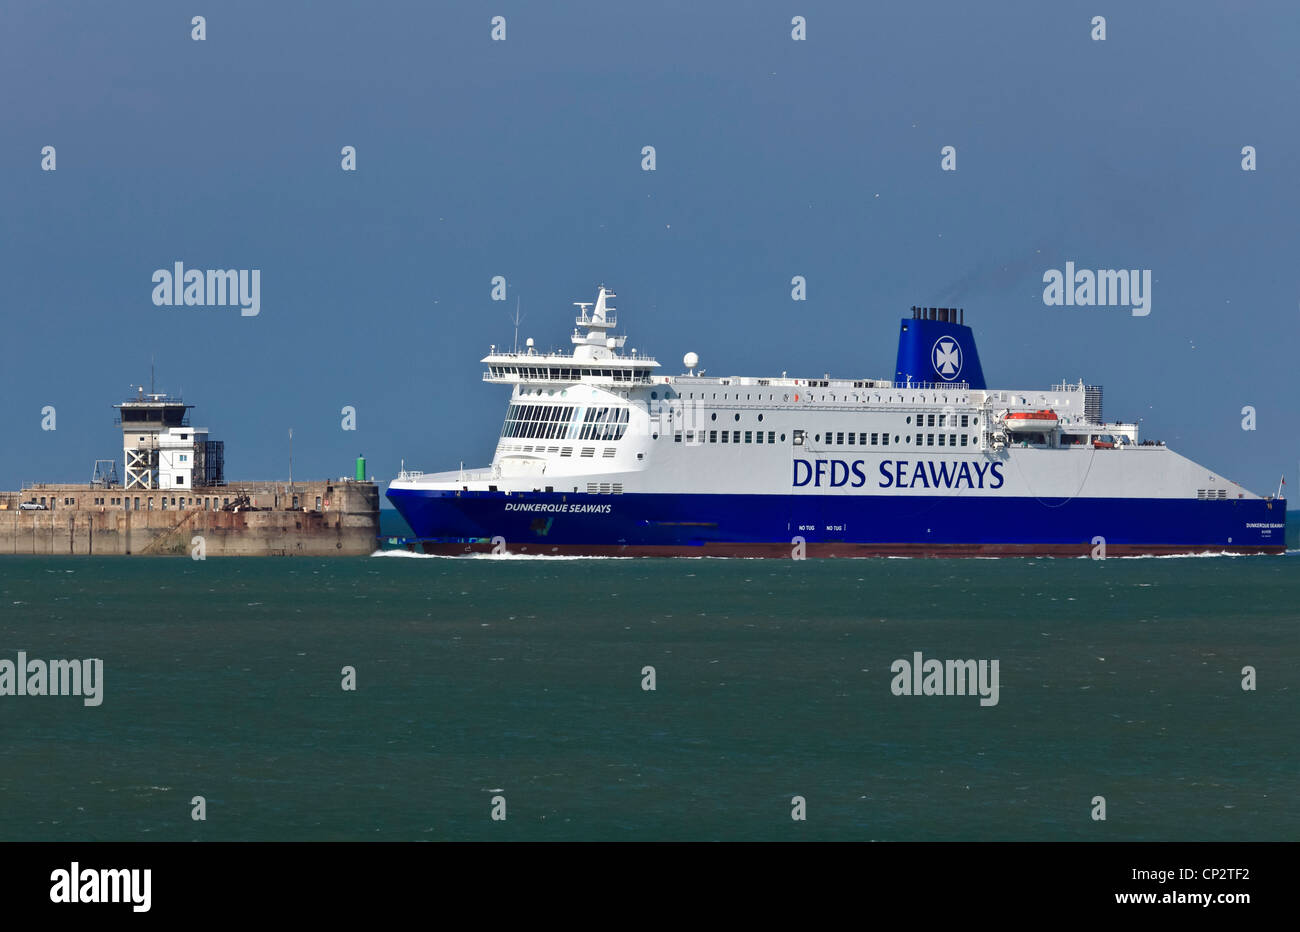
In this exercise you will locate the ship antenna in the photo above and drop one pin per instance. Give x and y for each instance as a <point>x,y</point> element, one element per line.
<point>516,320</point>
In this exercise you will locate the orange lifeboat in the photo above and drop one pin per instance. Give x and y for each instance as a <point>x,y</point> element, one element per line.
<point>1043,420</point>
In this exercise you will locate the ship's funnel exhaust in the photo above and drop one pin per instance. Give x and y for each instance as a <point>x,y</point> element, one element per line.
<point>935,345</point>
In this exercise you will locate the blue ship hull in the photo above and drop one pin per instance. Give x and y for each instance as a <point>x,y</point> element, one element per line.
<point>833,525</point>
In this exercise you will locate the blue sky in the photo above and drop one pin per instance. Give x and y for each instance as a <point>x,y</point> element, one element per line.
<point>522,158</point>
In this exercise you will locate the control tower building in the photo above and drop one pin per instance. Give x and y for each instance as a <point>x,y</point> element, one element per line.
<point>160,450</point>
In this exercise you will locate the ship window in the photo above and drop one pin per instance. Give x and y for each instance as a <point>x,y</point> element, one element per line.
<point>851,438</point>
<point>952,440</point>
<point>875,439</point>
<point>771,436</point>
<point>839,437</point>
<point>975,422</point>
<point>738,417</point>
<point>735,436</point>
<point>797,439</point>
<point>817,437</point>
<point>862,440</point>
<point>964,419</point>
<point>909,419</point>
<point>713,436</point>
<point>677,437</point>
<point>690,436</point>
<point>929,440</point>
<point>931,421</point>
<point>760,417</point>
<point>724,436</point>
<point>907,439</point>
<point>941,443</point>
<point>758,437</point>
<point>654,396</point>
<point>749,437</point>
<point>963,440</point>
<point>941,417</point>
<point>713,416</point>
<point>884,440</point>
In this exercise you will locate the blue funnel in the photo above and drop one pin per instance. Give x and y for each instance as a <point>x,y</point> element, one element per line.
<point>934,347</point>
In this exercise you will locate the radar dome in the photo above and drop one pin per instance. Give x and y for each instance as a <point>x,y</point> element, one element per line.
<point>691,360</point>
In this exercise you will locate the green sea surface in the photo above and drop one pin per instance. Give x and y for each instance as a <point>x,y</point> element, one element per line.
<point>486,677</point>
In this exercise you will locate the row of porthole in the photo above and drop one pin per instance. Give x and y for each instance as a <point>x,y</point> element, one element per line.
<point>974,439</point>
<point>714,416</point>
<point>654,396</point>
<point>887,400</point>
<point>974,421</point>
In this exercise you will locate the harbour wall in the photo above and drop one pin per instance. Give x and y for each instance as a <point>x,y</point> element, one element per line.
<point>312,518</point>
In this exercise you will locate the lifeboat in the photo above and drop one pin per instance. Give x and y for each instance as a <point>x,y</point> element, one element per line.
<point>1043,420</point>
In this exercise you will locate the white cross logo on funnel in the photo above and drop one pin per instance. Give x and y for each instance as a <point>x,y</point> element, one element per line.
<point>946,356</point>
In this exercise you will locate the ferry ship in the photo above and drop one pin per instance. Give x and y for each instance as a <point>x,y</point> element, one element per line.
<point>602,454</point>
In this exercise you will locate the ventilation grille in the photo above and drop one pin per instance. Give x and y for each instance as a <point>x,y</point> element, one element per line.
<point>1092,403</point>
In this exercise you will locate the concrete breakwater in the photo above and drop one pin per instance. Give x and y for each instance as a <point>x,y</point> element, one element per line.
<point>312,518</point>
